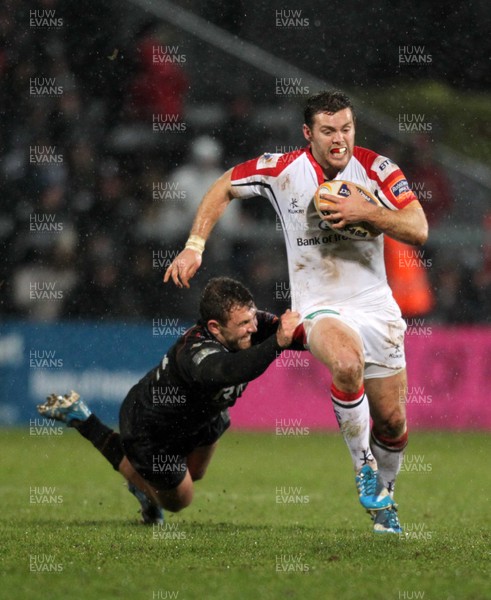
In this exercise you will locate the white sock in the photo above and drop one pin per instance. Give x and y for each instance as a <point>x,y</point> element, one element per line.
<point>389,455</point>
<point>353,415</point>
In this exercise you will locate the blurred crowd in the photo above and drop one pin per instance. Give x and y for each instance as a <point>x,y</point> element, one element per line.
<point>103,166</point>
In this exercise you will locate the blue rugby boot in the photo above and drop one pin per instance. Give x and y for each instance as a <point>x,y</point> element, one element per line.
<point>386,521</point>
<point>67,408</point>
<point>372,495</point>
<point>151,513</point>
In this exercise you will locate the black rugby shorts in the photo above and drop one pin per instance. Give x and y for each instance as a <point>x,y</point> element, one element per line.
<point>157,444</point>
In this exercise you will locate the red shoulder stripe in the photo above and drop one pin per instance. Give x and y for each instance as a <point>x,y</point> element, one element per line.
<point>269,165</point>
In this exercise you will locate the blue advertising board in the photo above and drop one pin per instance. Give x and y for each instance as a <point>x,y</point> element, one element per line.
<point>99,361</point>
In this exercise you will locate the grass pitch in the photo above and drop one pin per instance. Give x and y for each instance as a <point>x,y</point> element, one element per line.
<point>275,517</point>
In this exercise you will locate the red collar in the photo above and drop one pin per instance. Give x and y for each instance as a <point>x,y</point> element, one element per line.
<point>317,168</point>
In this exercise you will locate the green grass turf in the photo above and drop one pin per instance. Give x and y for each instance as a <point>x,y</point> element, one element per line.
<point>236,540</point>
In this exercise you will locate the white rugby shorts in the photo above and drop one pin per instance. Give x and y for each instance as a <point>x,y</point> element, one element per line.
<point>380,328</point>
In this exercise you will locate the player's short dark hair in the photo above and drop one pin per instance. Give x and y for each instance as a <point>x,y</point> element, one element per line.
<point>330,101</point>
<point>220,296</point>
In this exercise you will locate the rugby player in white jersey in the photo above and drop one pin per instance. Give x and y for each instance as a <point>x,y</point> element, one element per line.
<point>350,319</point>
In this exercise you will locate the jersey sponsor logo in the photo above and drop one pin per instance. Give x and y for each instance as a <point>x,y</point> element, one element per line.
<point>325,239</point>
<point>268,160</point>
<point>338,237</point>
<point>384,167</point>
<point>400,187</point>
<point>293,209</point>
<point>201,354</point>
<point>316,241</point>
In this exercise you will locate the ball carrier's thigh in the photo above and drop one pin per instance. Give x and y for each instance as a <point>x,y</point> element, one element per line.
<point>340,348</point>
<point>181,496</point>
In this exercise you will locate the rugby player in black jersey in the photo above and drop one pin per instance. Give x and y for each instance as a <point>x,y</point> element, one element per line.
<point>171,420</point>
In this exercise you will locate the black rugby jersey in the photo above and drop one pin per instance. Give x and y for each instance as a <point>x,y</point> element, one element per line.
<point>199,377</point>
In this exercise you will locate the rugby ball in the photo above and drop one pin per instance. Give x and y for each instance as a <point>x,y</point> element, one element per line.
<point>353,231</point>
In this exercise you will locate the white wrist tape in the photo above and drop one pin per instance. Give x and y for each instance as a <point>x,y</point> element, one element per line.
<point>196,243</point>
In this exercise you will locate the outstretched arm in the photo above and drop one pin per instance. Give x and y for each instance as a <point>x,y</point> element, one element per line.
<point>232,368</point>
<point>214,203</point>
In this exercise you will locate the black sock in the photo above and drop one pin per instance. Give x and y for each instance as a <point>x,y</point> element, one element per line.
<point>106,440</point>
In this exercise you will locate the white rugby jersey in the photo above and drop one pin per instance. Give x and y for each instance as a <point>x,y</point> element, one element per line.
<point>325,267</point>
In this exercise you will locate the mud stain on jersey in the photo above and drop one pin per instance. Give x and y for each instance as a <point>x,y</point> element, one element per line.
<point>285,183</point>
<point>329,266</point>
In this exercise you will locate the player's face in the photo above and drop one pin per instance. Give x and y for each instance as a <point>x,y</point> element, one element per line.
<point>332,139</point>
<point>237,332</point>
